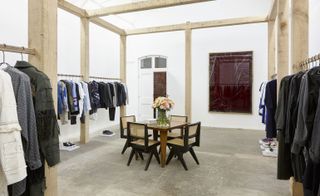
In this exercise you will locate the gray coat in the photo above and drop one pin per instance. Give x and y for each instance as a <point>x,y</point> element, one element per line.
<point>27,121</point>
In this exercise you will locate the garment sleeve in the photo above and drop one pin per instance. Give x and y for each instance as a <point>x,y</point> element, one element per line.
<point>315,139</point>
<point>280,112</point>
<point>8,107</point>
<point>301,132</point>
<point>33,148</point>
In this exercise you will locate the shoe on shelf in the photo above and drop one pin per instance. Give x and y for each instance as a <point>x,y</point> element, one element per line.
<point>68,144</point>
<point>108,133</point>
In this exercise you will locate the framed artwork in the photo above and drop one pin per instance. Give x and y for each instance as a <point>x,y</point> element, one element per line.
<point>230,82</point>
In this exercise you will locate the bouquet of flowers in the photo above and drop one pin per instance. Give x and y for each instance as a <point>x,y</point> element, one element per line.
<point>163,103</point>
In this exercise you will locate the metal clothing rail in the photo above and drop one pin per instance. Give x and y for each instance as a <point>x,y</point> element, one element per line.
<point>103,78</point>
<point>91,77</point>
<point>309,60</point>
<point>70,75</point>
<point>16,49</point>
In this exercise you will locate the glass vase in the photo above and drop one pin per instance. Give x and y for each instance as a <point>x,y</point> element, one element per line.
<point>162,119</point>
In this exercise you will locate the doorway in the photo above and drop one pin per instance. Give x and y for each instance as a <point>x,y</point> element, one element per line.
<point>152,83</point>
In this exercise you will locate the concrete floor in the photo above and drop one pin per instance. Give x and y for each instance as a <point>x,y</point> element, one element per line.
<point>230,165</point>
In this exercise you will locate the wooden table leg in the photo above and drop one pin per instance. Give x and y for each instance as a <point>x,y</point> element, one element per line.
<point>163,146</point>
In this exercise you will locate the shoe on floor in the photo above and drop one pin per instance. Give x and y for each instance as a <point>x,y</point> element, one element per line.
<point>266,140</point>
<point>108,133</point>
<point>269,152</point>
<point>270,145</point>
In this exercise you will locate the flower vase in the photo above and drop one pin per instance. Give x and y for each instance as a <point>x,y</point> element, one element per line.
<point>162,119</point>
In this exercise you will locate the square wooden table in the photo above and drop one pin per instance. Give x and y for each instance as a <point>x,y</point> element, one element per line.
<point>163,136</point>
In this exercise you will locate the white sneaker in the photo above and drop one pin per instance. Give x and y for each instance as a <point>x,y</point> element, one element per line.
<point>266,140</point>
<point>272,145</point>
<point>270,153</point>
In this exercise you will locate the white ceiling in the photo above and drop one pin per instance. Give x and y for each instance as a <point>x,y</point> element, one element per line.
<point>212,10</point>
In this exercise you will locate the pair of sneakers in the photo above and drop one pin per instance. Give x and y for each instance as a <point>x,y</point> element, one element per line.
<point>272,145</point>
<point>108,133</point>
<point>266,140</point>
<point>68,144</point>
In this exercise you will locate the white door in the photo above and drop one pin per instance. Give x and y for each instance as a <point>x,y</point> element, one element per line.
<point>147,66</point>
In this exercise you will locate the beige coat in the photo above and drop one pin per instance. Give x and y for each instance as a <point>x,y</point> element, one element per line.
<point>13,165</point>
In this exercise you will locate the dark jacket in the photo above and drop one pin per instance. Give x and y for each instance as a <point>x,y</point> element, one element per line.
<point>297,160</point>
<point>121,94</point>
<point>93,88</point>
<point>105,95</point>
<point>271,105</point>
<point>47,125</point>
<point>284,154</point>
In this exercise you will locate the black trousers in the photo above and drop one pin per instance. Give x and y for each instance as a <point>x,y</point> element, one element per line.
<point>112,113</point>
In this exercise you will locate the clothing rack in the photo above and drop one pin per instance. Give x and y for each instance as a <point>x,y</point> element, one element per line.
<point>307,61</point>
<point>91,77</point>
<point>104,78</point>
<point>70,75</point>
<point>16,49</point>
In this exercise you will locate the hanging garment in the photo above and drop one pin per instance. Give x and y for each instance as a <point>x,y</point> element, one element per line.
<point>86,99</point>
<point>27,121</point>
<point>308,102</point>
<point>115,97</point>
<point>297,160</point>
<point>112,108</point>
<point>63,104</point>
<point>93,88</point>
<point>284,150</point>
<point>315,137</point>
<point>271,106</point>
<point>262,105</point>
<point>12,161</point>
<point>105,95</point>
<point>47,125</point>
<point>71,106</point>
<point>121,93</point>
<point>80,98</point>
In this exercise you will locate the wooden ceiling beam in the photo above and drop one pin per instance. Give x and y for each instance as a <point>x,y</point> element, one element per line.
<point>62,4</point>
<point>140,6</point>
<point>82,13</point>
<point>199,25</point>
<point>102,23</point>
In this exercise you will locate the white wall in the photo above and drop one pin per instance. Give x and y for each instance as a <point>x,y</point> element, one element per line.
<point>14,27</point>
<point>170,45</point>
<point>227,39</point>
<point>314,27</point>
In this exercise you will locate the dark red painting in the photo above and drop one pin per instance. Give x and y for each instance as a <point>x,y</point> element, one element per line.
<point>230,85</point>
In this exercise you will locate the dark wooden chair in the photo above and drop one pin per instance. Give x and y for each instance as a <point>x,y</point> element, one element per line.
<point>123,129</point>
<point>177,133</point>
<point>139,141</point>
<point>190,138</point>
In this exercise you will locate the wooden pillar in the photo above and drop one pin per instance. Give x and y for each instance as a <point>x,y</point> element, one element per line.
<point>299,32</point>
<point>299,52</point>
<point>123,64</point>
<point>283,39</point>
<point>42,28</point>
<point>85,71</point>
<point>188,72</point>
<point>272,26</point>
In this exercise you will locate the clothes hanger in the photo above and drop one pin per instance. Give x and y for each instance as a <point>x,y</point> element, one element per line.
<point>4,61</point>
<point>22,54</point>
